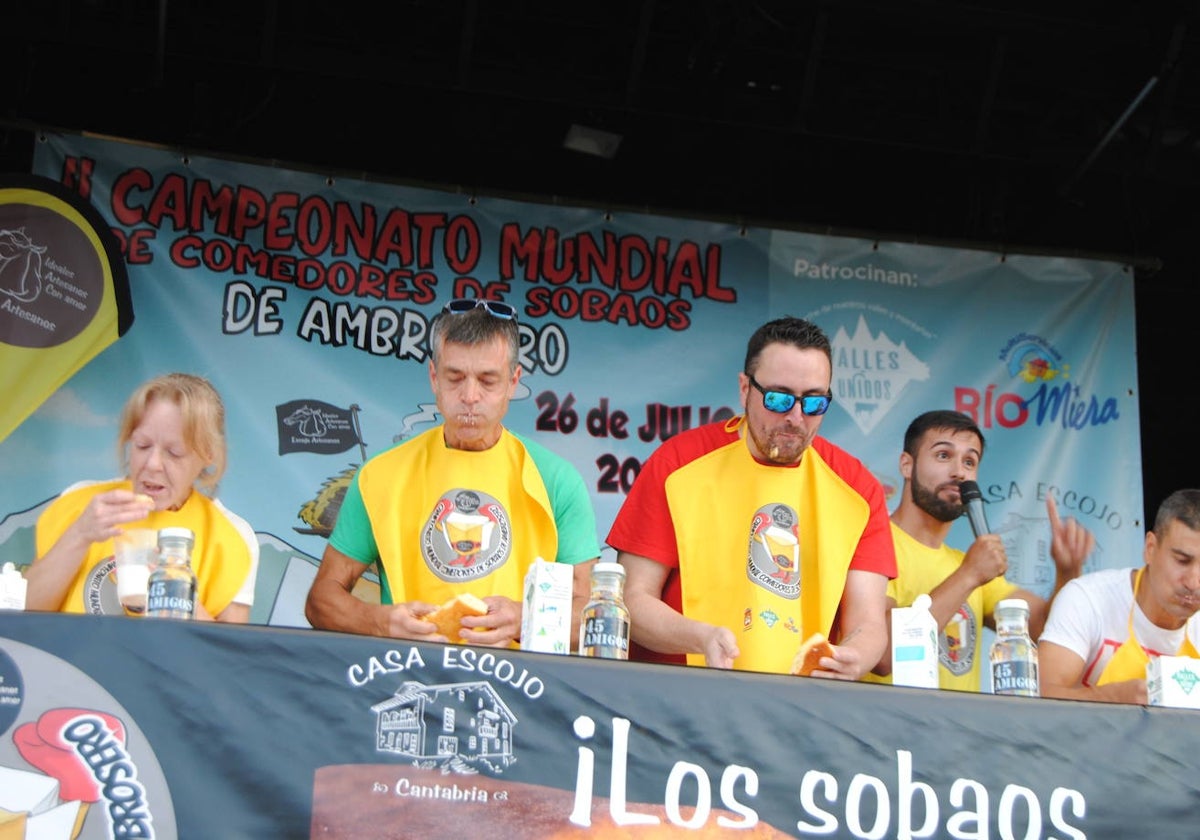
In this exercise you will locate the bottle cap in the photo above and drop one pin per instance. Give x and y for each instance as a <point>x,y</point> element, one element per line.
<point>168,534</point>
<point>1013,604</point>
<point>608,568</point>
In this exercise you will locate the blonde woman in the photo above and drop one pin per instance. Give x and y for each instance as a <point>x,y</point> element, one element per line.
<point>172,443</point>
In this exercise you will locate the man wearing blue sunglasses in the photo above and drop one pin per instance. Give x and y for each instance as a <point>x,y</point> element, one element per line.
<point>464,508</point>
<point>743,538</point>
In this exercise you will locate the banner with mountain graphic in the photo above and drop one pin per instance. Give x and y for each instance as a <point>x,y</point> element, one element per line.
<point>307,298</point>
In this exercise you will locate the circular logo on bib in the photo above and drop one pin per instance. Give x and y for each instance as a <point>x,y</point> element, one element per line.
<point>468,535</point>
<point>100,589</point>
<point>956,644</point>
<point>774,552</point>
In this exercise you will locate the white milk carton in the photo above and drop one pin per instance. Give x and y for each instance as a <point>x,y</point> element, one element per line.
<point>915,645</point>
<point>12,588</point>
<point>546,607</point>
<point>1173,681</point>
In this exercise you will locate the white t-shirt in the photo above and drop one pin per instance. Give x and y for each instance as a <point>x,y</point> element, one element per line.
<point>1090,616</point>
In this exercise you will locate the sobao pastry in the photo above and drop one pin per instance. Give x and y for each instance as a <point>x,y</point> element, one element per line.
<point>808,658</point>
<point>448,617</point>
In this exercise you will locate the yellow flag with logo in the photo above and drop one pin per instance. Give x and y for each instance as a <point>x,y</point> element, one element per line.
<point>64,292</point>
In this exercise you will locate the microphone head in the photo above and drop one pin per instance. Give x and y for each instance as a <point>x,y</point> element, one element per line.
<point>972,502</point>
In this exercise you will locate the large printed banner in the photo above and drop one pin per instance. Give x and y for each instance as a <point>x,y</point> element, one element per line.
<point>112,728</point>
<point>307,300</point>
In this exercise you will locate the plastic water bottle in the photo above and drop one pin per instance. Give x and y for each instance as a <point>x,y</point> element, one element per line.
<point>171,590</point>
<point>1013,655</point>
<point>604,627</point>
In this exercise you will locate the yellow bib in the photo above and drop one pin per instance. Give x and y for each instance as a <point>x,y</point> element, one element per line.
<point>786,579</point>
<point>221,556</point>
<point>449,521</point>
<point>1130,659</point>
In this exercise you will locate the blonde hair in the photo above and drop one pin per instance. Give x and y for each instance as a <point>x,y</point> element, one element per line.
<point>203,416</point>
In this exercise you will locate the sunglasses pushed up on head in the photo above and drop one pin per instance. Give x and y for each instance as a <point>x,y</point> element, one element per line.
<point>496,308</point>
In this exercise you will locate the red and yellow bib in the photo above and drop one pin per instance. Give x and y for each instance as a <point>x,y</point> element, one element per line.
<point>785,579</point>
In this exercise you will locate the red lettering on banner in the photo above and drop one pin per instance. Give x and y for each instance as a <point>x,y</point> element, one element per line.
<point>602,261</point>
<point>463,232</point>
<point>348,227</point>
<point>371,284</point>
<point>278,229</point>
<point>124,189</point>
<point>207,203</point>
<point>597,305</point>
<point>629,263</point>
<point>314,224</point>
<point>290,237</point>
<point>250,211</point>
<point>170,202</point>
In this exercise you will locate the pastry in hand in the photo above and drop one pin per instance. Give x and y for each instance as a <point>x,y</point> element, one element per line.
<point>448,617</point>
<point>808,658</point>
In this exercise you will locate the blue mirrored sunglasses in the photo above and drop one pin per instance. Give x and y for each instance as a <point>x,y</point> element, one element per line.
<point>781,402</point>
<point>494,307</point>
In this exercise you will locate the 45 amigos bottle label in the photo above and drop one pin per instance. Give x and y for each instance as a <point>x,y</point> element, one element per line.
<point>1019,678</point>
<point>171,598</point>
<point>605,637</point>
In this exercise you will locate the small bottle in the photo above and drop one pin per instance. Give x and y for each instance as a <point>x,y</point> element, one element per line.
<point>604,627</point>
<point>171,591</point>
<point>1013,655</point>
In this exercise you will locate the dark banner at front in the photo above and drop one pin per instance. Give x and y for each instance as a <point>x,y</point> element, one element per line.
<point>132,728</point>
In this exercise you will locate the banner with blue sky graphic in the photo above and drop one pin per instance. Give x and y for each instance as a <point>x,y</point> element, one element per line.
<point>313,292</point>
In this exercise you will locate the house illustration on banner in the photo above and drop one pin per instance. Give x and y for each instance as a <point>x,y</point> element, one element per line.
<point>472,723</point>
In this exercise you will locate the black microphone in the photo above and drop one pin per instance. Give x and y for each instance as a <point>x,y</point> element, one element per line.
<point>972,501</point>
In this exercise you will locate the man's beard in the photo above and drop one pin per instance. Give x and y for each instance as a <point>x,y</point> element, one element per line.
<point>785,454</point>
<point>929,501</point>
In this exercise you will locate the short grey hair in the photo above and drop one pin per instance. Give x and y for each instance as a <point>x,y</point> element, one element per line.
<point>1182,506</point>
<point>472,328</point>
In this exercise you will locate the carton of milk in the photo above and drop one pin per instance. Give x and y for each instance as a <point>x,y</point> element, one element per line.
<point>12,588</point>
<point>546,607</point>
<point>915,645</point>
<point>1173,681</point>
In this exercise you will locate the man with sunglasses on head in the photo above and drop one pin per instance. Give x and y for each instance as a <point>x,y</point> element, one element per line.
<point>942,449</point>
<point>743,538</point>
<point>464,508</point>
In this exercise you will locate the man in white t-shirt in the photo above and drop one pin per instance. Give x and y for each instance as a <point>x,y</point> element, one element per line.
<point>1105,626</point>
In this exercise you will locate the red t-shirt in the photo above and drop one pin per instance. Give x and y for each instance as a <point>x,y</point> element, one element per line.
<point>720,474</point>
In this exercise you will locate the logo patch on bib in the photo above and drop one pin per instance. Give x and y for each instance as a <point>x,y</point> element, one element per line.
<point>467,536</point>
<point>773,556</point>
